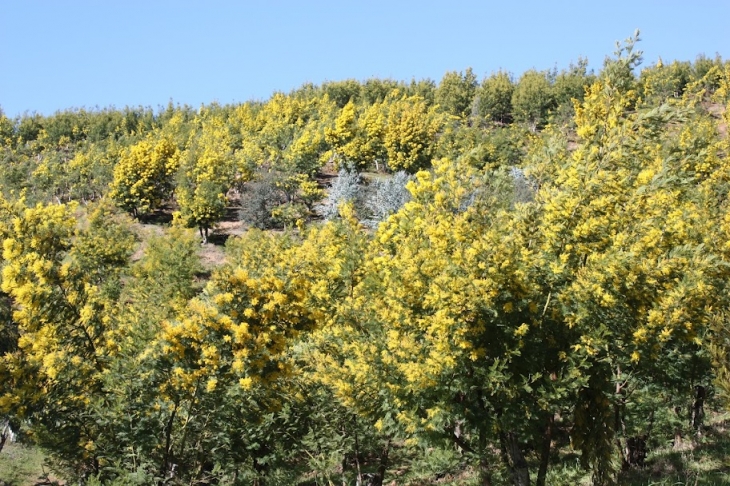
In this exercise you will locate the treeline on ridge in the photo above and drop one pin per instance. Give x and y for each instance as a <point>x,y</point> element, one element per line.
<point>200,161</point>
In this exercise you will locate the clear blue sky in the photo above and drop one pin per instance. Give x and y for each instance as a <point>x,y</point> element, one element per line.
<point>59,54</point>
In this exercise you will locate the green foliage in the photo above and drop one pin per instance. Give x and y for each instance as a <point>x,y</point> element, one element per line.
<point>202,206</point>
<point>289,215</point>
<point>104,246</point>
<point>206,174</point>
<point>423,88</point>
<point>532,99</point>
<point>62,282</point>
<point>164,279</point>
<point>91,170</point>
<point>134,415</point>
<point>342,92</point>
<point>704,70</point>
<point>377,90</point>
<point>494,97</point>
<point>569,87</point>
<point>620,68</point>
<point>498,146</point>
<point>22,465</point>
<point>570,84</point>
<point>7,131</point>
<point>29,128</point>
<point>455,93</point>
<point>661,83</point>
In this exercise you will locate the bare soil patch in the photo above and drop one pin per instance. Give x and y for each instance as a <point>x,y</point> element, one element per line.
<point>213,254</point>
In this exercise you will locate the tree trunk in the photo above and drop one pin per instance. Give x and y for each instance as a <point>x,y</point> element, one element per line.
<point>203,234</point>
<point>636,448</point>
<point>618,422</point>
<point>205,470</point>
<point>698,408</point>
<point>516,462</point>
<point>485,472</point>
<point>358,480</point>
<point>379,476</point>
<point>344,469</point>
<point>635,451</point>
<point>260,468</point>
<point>166,463</point>
<point>485,475</point>
<point>677,442</point>
<point>547,438</point>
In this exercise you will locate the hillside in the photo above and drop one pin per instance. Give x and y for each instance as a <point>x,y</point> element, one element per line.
<point>498,282</point>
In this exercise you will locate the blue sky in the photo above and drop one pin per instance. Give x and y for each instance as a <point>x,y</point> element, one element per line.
<point>59,54</point>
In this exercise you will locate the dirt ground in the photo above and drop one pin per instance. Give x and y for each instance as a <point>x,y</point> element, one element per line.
<point>212,254</point>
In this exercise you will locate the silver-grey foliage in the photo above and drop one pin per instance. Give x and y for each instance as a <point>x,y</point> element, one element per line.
<point>345,188</point>
<point>524,188</point>
<point>258,198</point>
<point>389,196</point>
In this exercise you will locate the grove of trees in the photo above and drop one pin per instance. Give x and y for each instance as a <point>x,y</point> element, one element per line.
<point>530,265</point>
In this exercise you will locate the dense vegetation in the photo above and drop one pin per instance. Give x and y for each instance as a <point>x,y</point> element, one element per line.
<point>537,265</point>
